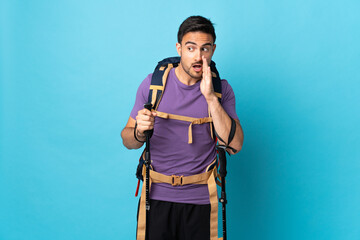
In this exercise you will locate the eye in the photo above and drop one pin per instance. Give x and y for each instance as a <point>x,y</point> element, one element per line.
<point>190,49</point>
<point>205,49</point>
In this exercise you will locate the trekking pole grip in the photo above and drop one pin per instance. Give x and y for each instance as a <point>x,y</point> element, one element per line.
<point>222,160</point>
<point>149,133</point>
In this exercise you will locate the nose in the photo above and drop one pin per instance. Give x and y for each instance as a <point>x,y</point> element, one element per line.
<point>198,55</point>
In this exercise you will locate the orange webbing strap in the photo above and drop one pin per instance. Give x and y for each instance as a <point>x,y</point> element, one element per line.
<point>174,180</point>
<point>214,206</point>
<point>187,119</point>
<point>211,125</point>
<point>155,89</point>
<point>141,227</point>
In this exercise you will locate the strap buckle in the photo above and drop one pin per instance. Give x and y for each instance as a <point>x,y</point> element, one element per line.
<point>176,180</point>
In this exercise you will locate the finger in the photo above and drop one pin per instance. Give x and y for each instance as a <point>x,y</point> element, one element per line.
<point>146,119</point>
<point>205,66</point>
<point>143,126</point>
<point>142,112</point>
<point>207,75</point>
<point>143,117</point>
<point>145,123</point>
<point>205,63</point>
<point>146,112</point>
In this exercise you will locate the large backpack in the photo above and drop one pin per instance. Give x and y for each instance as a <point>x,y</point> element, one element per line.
<point>209,177</point>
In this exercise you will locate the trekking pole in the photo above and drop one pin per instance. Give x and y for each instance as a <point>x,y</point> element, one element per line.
<point>148,135</point>
<point>222,173</point>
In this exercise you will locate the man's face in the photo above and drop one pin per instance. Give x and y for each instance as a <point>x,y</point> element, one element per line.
<point>193,46</point>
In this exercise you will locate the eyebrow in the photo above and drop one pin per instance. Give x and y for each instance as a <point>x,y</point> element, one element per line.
<point>206,44</point>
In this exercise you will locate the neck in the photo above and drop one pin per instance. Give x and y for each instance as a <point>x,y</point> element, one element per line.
<point>184,77</point>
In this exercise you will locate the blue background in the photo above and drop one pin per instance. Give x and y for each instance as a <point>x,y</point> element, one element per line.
<point>69,73</point>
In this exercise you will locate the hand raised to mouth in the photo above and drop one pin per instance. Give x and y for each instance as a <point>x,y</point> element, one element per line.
<point>206,85</point>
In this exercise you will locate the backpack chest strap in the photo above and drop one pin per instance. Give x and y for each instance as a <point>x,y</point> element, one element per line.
<point>191,120</point>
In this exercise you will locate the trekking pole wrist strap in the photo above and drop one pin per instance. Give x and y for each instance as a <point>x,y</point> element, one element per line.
<point>231,135</point>
<point>135,134</point>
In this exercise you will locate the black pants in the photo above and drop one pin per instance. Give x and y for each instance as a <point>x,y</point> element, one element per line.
<point>178,221</point>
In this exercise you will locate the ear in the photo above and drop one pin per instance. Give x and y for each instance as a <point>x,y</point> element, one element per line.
<point>214,47</point>
<point>178,48</point>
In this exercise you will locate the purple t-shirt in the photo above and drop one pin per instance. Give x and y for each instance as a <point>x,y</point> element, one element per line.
<point>170,152</point>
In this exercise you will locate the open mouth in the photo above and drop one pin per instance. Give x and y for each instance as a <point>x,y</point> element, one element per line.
<point>197,67</point>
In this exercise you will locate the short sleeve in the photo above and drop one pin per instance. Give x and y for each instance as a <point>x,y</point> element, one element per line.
<point>228,99</point>
<point>141,96</point>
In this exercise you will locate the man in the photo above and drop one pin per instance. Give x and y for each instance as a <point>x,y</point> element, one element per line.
<point>183,212</point>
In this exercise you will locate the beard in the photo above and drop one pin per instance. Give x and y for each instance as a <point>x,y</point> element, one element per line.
<point>188,70</point>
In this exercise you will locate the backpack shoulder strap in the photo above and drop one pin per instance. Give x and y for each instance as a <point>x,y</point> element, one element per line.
<point>216,80</point>
<point>158,80</point>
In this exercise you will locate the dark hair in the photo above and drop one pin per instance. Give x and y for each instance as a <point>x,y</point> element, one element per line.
<point>196,24</point>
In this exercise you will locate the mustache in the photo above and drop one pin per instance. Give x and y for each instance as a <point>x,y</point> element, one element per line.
<point>197,63</point>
